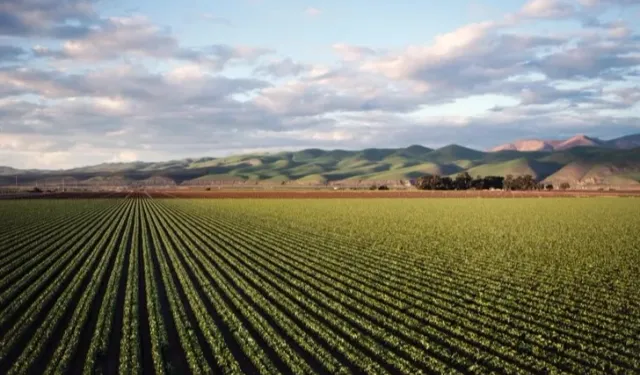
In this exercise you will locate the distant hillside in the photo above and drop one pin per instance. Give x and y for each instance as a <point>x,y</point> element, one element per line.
<point>596,174</point>
<point>576,161</point>
<point>516,167</point>
<point>580,140</point>
<point>8,171</point>
<point>626,142</point>
<point>526,145</point>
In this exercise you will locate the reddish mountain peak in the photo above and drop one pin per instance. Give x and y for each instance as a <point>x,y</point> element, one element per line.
<point>578,140</point>
<point>550,145</point>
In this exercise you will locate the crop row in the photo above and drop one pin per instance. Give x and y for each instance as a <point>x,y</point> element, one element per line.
<point>141,285</point>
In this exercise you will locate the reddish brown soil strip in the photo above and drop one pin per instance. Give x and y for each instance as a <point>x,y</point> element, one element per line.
<point>385,194</point>
<point>329,194</point>
<point>71,195</point>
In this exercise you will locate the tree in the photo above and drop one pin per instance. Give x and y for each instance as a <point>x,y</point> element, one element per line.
<point>565,186</point>
<point>527,182</point>
<point>446,183</point>
<point>433,182</point>
<point>477,183</point>
<point>549,187</point>
<point>493,182</point>
<point>509,182</point>
<point>422,182</point>
<point>463,181</point>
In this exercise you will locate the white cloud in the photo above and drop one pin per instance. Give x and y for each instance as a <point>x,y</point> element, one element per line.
<point>187,72</point>
<point>124,157</point>
<point>10,142</point>
<point>112,105</point>
<point>117,133</point>
<point>282,68</point>
<point>463,37</point>
<point>445,46</point>
<point>122,35</point>
<point>547,9</point>
<point>593,3</point>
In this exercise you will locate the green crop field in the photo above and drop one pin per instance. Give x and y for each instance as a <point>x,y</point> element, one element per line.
<point>179,286</point>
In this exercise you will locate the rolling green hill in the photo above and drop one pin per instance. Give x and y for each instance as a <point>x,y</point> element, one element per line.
<point>516,167</point>
<point>579,165</point>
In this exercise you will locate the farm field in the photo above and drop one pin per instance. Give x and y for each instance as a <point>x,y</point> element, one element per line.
<point>277,193</point>
<point>281,286</point>
<point>410,193</point>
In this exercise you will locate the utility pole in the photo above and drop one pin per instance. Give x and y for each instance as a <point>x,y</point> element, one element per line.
<point>16,183</point>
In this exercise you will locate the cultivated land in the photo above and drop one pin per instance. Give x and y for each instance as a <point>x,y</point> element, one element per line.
<point>150,285</point>
<point>260,193</point>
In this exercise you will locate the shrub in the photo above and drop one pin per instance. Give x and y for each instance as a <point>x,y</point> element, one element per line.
<point>565,186</point>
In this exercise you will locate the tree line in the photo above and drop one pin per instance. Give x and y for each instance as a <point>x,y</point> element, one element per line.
<point>464,181</point>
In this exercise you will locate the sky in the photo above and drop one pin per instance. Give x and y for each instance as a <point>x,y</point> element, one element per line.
<point>84,82</point>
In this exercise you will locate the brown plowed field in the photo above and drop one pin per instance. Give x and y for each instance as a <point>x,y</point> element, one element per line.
<point>68,195</point>
<point>318,194</point>
<point>326,194</point>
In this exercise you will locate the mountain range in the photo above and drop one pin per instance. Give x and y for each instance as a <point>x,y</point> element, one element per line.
<point>580,160</point>
<point>623,143</point>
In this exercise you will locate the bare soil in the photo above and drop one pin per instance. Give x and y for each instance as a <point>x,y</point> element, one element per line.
<point>331,194</point>
<point>317,194</point>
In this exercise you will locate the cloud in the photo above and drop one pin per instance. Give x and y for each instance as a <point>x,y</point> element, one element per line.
<point>78,87</point>
<point>32,151</point>
<point>122,35</point>
<point>335,94</point>
<point>448,46</point>
<point>547,9</point>
<point>11,53</point>
<point>471,60</point>
<point>186,73</point>
<point>105,100</point>
<point>46,18</point>
<point>592,3</point>
<point>137,37</point>
<point>587,11</point>
<point>313,12</point>
<point>220,54</point>
<point>281,68</point>
<point>591,59</point>
<point>124,157</point>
